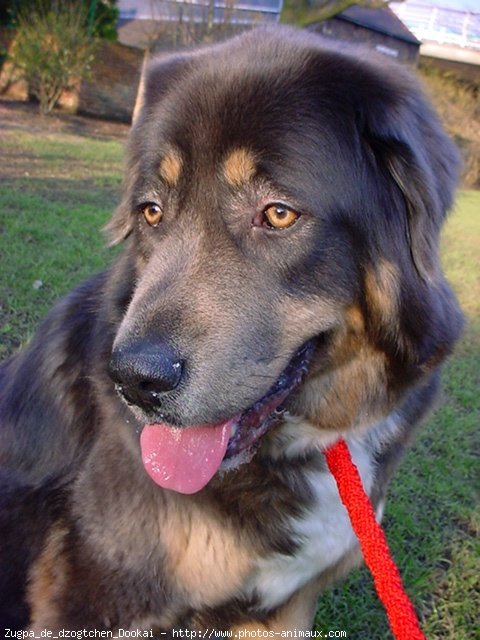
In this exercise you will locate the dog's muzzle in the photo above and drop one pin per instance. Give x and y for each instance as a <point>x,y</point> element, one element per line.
<point>185,458</point>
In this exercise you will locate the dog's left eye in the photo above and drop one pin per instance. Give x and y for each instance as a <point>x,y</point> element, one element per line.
<point>152,213</point>
<point>277,216</point>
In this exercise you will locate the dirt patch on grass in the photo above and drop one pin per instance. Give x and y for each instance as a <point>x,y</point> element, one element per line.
<point>25,116</point>
<point>52,165</point>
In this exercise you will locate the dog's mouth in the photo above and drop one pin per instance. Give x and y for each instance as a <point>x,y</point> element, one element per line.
<point>185,459</point>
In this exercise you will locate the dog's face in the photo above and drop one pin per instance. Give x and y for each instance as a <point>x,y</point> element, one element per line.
<point>284,203</point>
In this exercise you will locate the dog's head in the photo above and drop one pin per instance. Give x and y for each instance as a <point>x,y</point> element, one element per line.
<point>283,202</point>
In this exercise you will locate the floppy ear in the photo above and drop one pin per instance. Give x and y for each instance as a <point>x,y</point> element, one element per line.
<point>423,162</point>
<point>405,320</point>
<point>158,77</point>
<point>409,298</point>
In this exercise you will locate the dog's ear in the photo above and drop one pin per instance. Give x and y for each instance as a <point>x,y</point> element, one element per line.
<point>407,138</point>
<point>158,77</point>
<point>414,311</point>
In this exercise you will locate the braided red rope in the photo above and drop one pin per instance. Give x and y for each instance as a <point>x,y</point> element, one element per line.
<point>388,583</point>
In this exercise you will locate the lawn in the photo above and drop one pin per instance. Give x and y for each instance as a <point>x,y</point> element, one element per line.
<point>57,190</point>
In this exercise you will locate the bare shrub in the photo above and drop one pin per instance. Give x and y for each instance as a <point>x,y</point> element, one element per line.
<point>52,49</point>
<point>457,101</point>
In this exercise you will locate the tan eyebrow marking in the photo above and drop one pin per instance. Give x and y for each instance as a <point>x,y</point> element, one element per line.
<point>239,167</point>
<point>170,167</point>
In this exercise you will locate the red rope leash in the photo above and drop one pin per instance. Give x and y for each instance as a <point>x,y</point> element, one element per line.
<point>388,583</point>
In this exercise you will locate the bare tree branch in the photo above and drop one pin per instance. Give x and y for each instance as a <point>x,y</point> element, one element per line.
<point>301,12</point>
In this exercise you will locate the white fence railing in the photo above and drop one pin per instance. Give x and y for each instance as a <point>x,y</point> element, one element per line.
<point>436,24</point>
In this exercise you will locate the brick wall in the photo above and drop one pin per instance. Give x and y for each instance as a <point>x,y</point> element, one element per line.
<point>111,90</point>
<point>10,83</point>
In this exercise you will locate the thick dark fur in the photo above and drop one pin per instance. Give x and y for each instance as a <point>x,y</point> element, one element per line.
<point>87,539</point>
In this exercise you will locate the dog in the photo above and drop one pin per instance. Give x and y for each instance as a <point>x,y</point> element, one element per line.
<point>279,288</point>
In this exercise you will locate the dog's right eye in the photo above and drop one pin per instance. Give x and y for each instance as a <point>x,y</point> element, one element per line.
<point>276,216</point>
<point>152,213</point>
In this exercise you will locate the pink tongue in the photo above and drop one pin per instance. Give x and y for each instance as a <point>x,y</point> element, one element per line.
<point>184,460</point>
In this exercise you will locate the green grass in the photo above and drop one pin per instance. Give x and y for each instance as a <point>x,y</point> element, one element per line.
<point>59,190</point>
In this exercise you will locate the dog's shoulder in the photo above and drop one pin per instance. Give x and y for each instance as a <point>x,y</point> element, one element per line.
<point>46,398</point>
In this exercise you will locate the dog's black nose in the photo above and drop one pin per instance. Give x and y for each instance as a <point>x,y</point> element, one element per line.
<point>144,371</point>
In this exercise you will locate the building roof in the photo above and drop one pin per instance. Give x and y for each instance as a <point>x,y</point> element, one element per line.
<point>380,20</point>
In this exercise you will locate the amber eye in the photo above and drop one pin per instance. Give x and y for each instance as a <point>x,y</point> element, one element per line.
<point>152,213</point>
<point>278,216</point>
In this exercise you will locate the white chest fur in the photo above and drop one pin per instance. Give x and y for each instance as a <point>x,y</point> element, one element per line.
<point>324,535</point>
